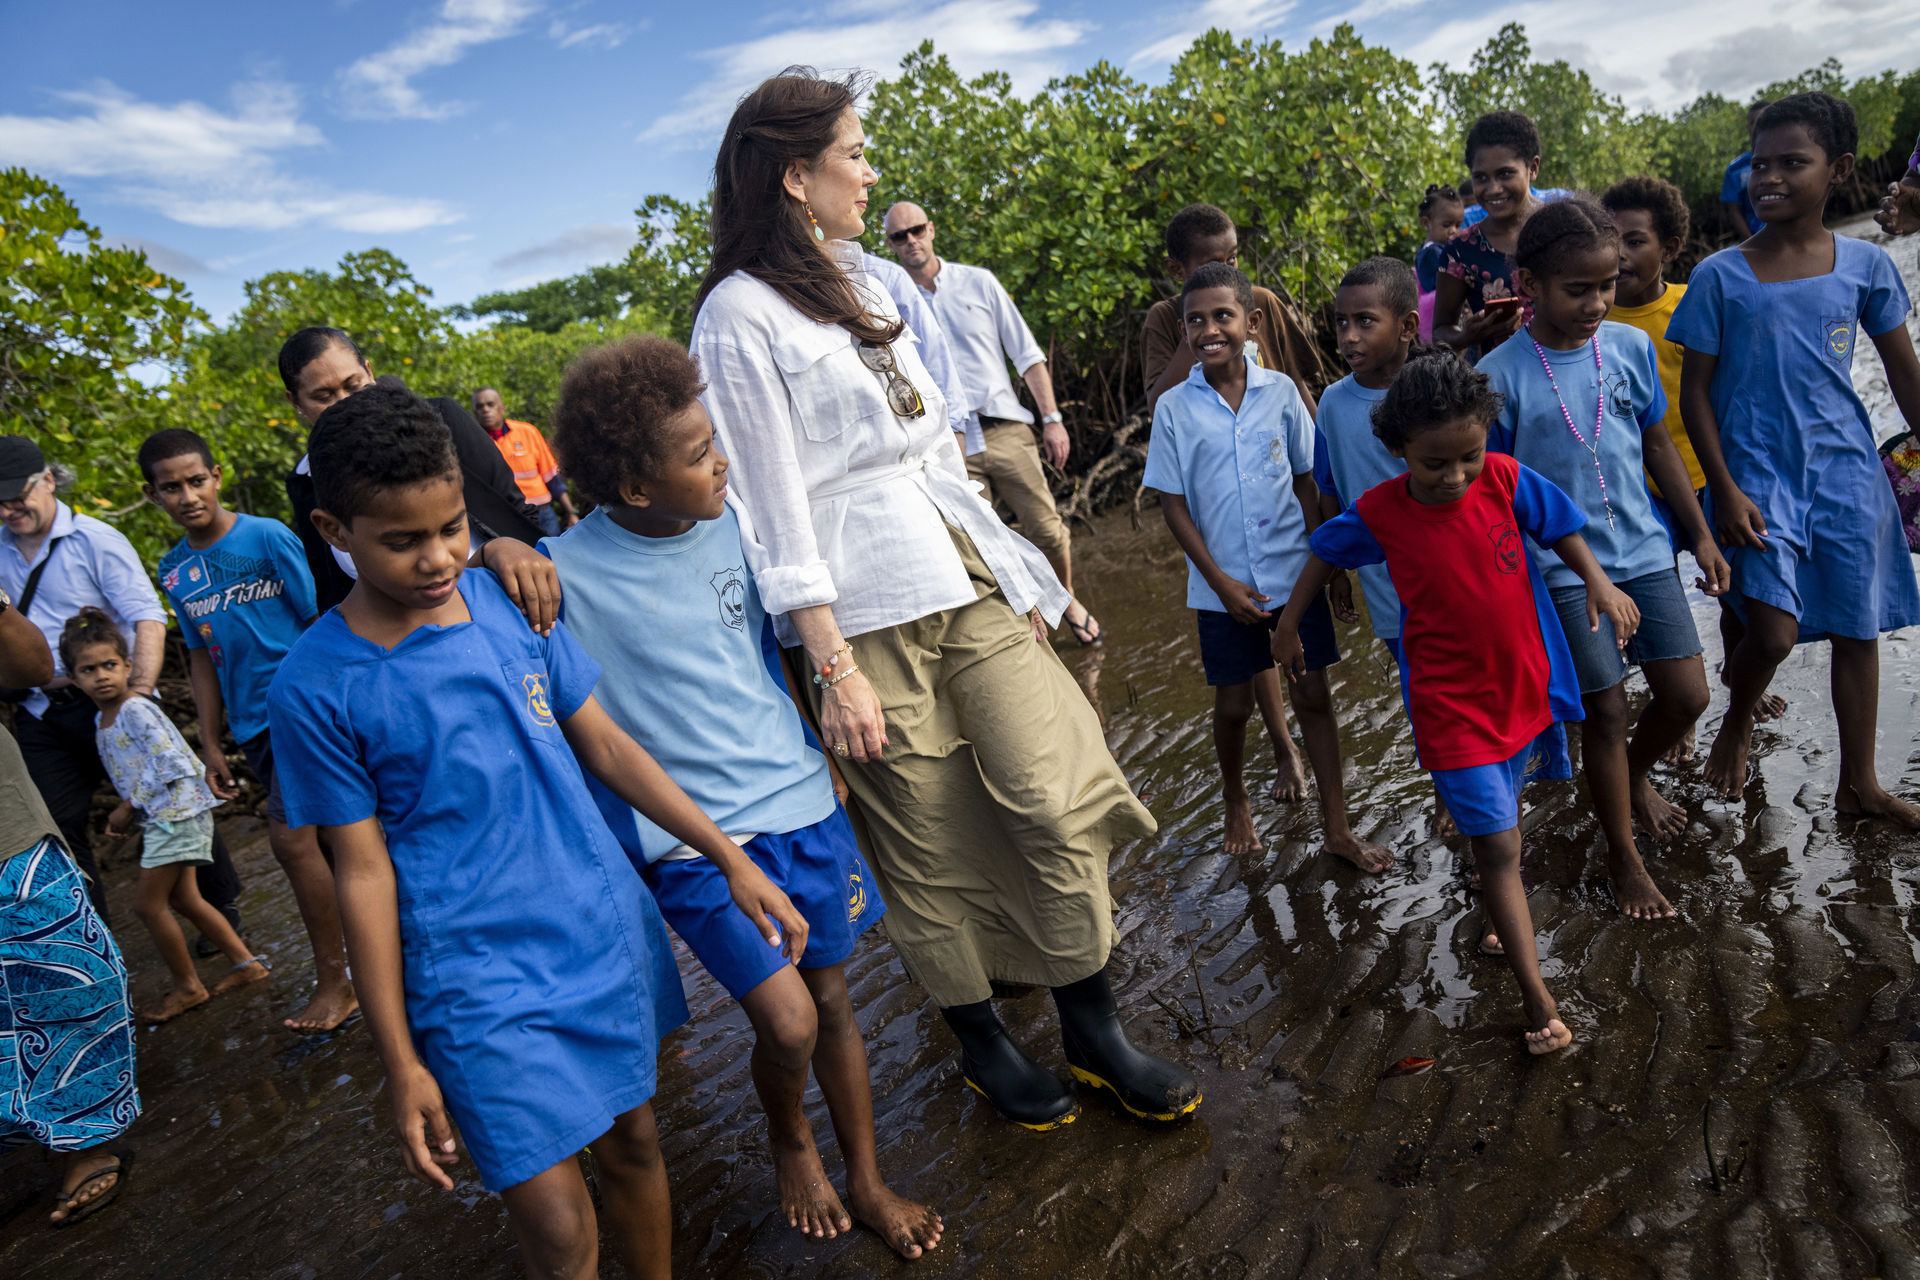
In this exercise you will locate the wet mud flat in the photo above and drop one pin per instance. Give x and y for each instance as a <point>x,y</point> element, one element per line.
<point>1774,1025</point>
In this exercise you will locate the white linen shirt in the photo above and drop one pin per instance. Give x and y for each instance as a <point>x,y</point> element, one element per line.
<point>89,564</point>
<point>985,331</point>
<point>935,353</point>
<point>842,501</point>
<point>1236,471</point>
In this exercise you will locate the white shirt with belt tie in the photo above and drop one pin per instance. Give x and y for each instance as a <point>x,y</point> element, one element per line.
<point>841,501</point>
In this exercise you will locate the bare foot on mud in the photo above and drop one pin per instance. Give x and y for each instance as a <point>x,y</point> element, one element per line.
<point>332,1004</point>
<point>1658,816</point>
<point>1852,802</point>
<point>91,1175</point>
<point>1552,1037</point>
<point>1443,827</point>
<point>254,970</point>
<point>1634,891</point>
<point>1681,752</point>
<point>1241,837</point>
<point>1291,786</point>
<point>177,1002</point>
<point>911,1229</point>
<point>1490,944</point>
<point>1727,761</point>
<point>806,1197</point>
<point>1365,854</point>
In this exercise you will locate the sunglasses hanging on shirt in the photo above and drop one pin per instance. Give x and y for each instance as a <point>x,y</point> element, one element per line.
<point>901,395</point>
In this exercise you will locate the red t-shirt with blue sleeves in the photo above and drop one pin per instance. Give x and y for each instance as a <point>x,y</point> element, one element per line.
<point>1487,666</point>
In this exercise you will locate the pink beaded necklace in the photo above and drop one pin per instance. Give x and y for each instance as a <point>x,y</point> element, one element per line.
<point>1599,412</point>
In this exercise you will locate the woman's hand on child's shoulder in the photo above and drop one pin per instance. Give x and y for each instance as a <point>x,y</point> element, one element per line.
<point>420,1114</point>
<point>530,579</point>
<point>1716,575</point>
<point>760,899</point>
<point>1618,606</point>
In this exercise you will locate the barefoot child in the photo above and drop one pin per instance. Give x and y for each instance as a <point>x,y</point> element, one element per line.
<point>1373,319</point>
<point>243,593</point>
<point>157,774</point>
<point>1797,494</point>
<point>1232,457</point>
<point>657,592</point>
<point>1488,677</point>
<point>1582,404</point>
<point>1441,210</point>
<point>515,976</point>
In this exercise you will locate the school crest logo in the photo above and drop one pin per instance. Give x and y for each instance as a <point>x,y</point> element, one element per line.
<point>1277,451</point>
<point>536,686</point>
<point>1839,339</point>
<point>1619,396</point>
<point>856,897</point>
<point>1506,546</point>
<point>731,587</point>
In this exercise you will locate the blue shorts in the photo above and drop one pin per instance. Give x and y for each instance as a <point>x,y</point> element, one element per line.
<point>1666,629</point>
<point>818,867</point>
<point>1235,652</point>
<point>1484,799</point>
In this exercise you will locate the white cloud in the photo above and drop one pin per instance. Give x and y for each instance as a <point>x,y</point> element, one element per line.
<point>1242,17</point>
<point>595,242</point>
<point>164,258</point>
<point>201,166</point>
<point>601,35</point>
<point>380,85</point>
<point>976,35</point>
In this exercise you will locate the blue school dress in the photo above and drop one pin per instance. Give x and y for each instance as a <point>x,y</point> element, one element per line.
<point>539,977</point>
<point>1798,441</point>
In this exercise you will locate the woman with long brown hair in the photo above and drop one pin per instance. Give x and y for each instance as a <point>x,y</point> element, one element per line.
<point>989,798</point>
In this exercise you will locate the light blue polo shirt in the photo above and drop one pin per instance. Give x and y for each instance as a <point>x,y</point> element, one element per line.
<point>1236,472</point>
<point>1348,460</point>
<point>1532,429</point>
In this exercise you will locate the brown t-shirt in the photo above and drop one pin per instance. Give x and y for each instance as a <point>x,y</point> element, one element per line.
<point>24,820</point>
<point>1283,345</point>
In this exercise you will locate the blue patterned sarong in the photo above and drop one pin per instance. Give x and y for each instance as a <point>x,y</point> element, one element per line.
<point>66,1031</point>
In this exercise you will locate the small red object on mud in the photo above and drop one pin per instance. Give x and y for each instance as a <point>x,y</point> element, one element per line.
<point>1408,1067</point>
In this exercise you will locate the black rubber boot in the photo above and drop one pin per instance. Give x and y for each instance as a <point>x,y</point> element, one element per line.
<point>1019,1088</point>
<point>1100,1055</point>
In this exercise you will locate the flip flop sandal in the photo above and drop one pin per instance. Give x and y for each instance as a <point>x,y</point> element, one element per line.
<point>1088,633</point>
<point>80,1213</point>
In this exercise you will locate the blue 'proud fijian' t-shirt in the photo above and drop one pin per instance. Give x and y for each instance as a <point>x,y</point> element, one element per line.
<point>245,600</point>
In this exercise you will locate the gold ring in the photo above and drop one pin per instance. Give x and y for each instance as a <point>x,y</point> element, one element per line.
<point>840,748</point>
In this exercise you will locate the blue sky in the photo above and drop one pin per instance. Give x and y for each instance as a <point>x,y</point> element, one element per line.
<point>493,143</point>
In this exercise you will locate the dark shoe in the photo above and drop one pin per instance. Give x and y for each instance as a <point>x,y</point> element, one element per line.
<point>1019,1088</point>
<point>1100,1055</point>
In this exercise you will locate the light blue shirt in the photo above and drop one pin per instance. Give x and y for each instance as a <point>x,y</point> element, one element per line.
<point>1532,428</point>
<point>935,353</point>
<point>89,563</point>
<point>1236,472</point>
<point>1348,460</point>
<point>678,630</point>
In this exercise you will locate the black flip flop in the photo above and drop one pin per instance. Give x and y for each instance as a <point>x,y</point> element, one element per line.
<point>80,1213</point>
<point>1084,632</point>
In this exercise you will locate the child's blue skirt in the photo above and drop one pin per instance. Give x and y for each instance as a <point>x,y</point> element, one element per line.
<point>818,867</point>
<point>1485,799</point>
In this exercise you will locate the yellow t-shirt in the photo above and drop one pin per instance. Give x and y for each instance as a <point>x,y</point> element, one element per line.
<point>1652,321</point>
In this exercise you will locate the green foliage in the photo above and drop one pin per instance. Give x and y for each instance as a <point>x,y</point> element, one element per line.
<point>596,294</point>
<point>669,260</point>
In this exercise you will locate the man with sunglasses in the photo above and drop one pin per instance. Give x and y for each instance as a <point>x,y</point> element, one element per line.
<point>985,330</point>
<point>55,562</point>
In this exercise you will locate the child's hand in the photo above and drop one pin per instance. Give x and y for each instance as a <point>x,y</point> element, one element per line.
<point>1617,605</point>
<point>1737,521</point>
<point>120,821</point>
<point>1340,597</point>
<point>420,1114</point>
<point>532,583</point>
<point>219,774</point>
<point>1899,210</point>
<point>1288,653</point>
<point>759,898</point>
<point>1716,574</point>
<point>1242,601</point>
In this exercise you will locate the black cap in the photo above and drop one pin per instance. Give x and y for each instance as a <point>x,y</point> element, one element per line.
<point>20,461</point>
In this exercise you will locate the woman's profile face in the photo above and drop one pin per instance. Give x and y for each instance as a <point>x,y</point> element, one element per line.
<point>837,182</point>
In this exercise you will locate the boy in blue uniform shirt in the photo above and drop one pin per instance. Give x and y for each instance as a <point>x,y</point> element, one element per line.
<point>242,591</point>
<point>515,977</point>
<point>656,588</point>
<point>1232,457</point>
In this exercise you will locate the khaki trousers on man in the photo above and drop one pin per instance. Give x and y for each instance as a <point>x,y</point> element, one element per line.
<point>1010,469</point>
<point>989,818</point>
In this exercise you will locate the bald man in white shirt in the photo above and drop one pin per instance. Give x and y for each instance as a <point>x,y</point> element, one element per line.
<point>985,330</point>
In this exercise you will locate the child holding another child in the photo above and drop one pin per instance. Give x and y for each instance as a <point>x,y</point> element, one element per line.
<point>1478,305</point>
<point>1441,210</point>
<point>1232,457</point>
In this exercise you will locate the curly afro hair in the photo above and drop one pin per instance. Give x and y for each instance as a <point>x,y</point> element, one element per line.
<point>1194,223</point>
<point>1510,129</point>
<point>1560,229</point>
<point>1434,388</point>
<point>1659,199</point>
<point>378,439</point>
<point>615,402</point>
<point>1828,119</point>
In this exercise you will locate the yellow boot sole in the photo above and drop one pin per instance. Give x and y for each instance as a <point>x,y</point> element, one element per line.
<point>1087,1077</point>
<point>1061,1123</point>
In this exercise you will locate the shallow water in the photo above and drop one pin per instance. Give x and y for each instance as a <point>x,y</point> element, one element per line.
<point>1781,1005</point>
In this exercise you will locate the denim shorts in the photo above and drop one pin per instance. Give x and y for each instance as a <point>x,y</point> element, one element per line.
<point>1235,652</point>
<point>183,840</point>
<point>1666,629</point>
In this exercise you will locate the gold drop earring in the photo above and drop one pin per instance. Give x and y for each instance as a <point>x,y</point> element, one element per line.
<point>818,234</point>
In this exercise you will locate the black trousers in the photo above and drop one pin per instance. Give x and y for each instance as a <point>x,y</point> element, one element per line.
<point>65,766</point>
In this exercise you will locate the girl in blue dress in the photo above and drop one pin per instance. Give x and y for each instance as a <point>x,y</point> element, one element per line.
<point>1796,491</point>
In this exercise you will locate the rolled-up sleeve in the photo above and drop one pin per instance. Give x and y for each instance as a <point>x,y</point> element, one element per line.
<point>753,417</point>
<point>1015,338</point>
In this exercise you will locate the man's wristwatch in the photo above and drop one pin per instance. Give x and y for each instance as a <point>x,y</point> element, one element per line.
<point>6,601</point>
<point>1047,420</point>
